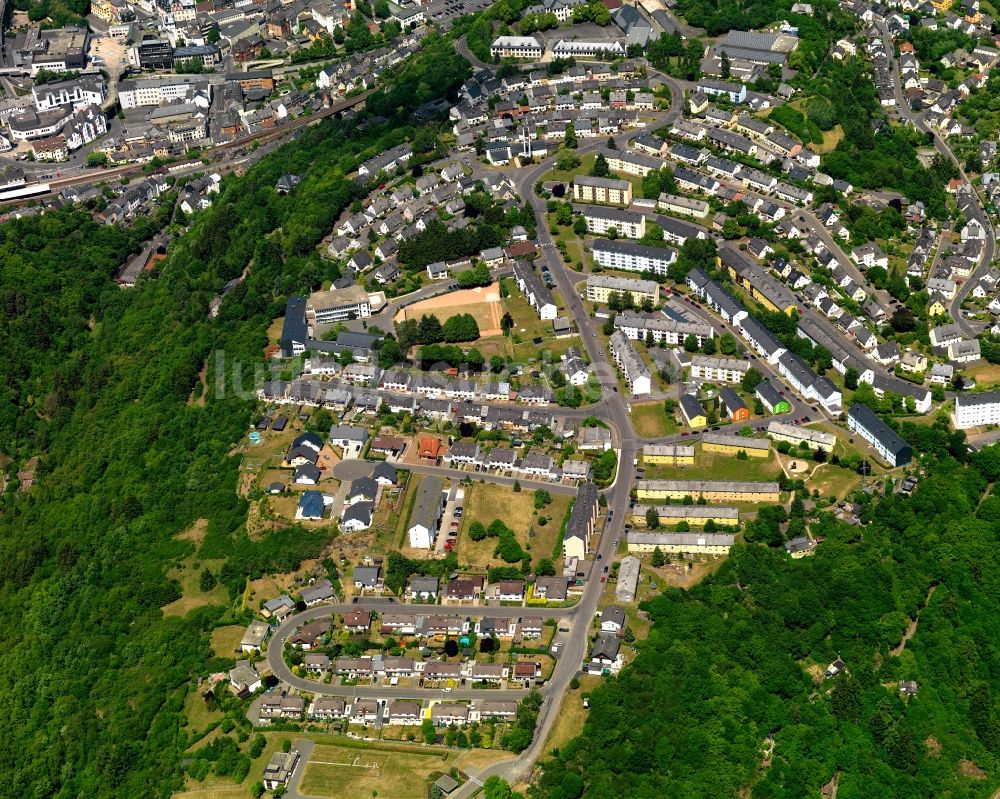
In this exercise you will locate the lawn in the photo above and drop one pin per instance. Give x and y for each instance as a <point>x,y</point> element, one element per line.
<point>406,507</point>
<point>335,771</point>
<point>197,712</point>
<point>650,420</point>
<point>566,176</point>
<point>831,138</point>
<point>986,374</point>
<point>387,519</point>
<point>226,640</point>
<point>528,327</point>
<point>832,481</point>
<point>214,788</point>
<point>572,714</point>
<point>717,466</point>
<point>485,502</point>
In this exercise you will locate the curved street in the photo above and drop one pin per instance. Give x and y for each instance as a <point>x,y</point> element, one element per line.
<point>612,407</point>
<point>978,211</point>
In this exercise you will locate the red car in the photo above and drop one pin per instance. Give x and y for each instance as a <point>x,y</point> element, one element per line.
<point>603,579</point>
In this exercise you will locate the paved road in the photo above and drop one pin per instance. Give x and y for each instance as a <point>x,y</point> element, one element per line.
<point>280,669</point>
<point>462,46</point>
<point>304,746</point>
<point>977,210</point>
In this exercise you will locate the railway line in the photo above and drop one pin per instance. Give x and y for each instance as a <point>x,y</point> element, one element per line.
<point>219,153</point>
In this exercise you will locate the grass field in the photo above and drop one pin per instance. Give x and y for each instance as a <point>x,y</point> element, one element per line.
<point>214,788</point>
<point>335,771</point>
<point>650,420</point>
<point>197,712</point>
<point>572,714</point>
<point>986,374</point>
<point>527,327</point>
<point>832,481</point>
<point>831,138</point>
<point>226,640</point>
<point>188,573</point>
<point>716,466</point>
<point>485,502</point>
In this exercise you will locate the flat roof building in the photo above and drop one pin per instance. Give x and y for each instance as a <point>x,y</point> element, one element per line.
<point>694,515</point>
<point>335,305</point>
<point>730,444</point>
<point>600,287</point>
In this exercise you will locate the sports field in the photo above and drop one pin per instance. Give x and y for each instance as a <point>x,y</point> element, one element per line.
<point>482,303</point>
<point>336,771</point>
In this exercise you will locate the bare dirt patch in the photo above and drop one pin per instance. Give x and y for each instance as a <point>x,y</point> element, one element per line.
<point>195,533</point>
<point>483,303</point>
<point>933,747</point>
<point>971,770</point>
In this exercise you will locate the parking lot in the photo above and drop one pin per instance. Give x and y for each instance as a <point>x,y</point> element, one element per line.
<point>443,12</point>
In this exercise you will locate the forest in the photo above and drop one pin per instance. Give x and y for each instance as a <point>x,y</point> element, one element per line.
<point>875,154</point>
<point>729,666</point>
<point>102,385</point>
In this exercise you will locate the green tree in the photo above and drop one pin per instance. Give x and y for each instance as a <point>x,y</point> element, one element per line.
<point>428,731</point>
<point>569,142</point>
<point>566,159</point>
<point>652,518</point>
<point>206,582</point>
<point>600,168</point>
<point>751,380</point>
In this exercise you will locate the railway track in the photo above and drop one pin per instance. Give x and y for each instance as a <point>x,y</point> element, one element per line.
<point>216,154</point>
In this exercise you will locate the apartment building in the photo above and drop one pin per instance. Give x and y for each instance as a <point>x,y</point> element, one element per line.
<point>662,328</point>
<point>719,370</point>
<point>603,219</point>
<point>973,410</point>
<point>710,490</point>
<point>694,515</point>
<point>634,369</point>
<point>600,287</point>
<point>632,257</point>
<point>607,191</point>
<point>795,435</point>
<point>681,543</point>
<point>668,454</point>
<point>890,447</point>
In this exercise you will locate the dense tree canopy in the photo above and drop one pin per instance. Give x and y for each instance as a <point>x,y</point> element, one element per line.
<point>728,664</point>
<point>102,385</point>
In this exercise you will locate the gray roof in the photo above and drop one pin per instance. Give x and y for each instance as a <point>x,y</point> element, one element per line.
<point>366,575</point>
<point>427,504</point>
<point>582,514</point>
